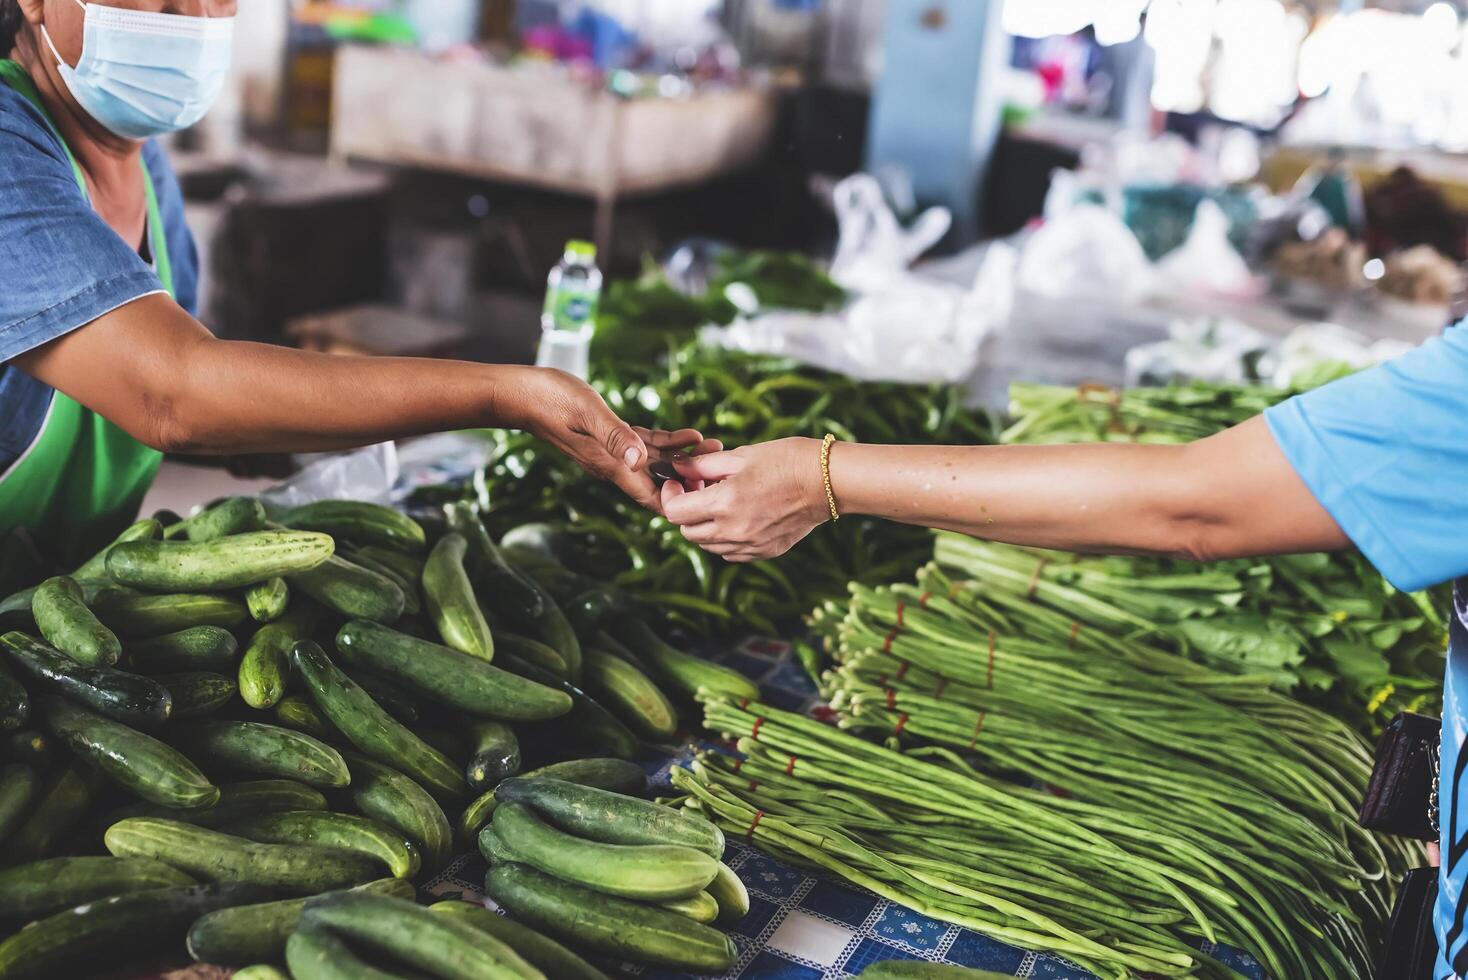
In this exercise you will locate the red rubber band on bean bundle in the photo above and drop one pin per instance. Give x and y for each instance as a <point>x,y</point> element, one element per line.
<point>790,767</point>
<point>901,608</point>
<point>759,815</point>
<point>754,732</point>
<point>887,643</point>
<point>891,699</point>
<point>901,724</point>
<point>1075,631</point>
<point>978,727</point>
<point>902,671</point>
<point>923,599</point>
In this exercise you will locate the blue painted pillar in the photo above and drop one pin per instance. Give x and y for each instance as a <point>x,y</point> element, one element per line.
<point>937,106</point>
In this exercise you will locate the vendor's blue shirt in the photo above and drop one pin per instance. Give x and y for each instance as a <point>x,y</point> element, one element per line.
<point>1386,453</point>
<point>61,266</point>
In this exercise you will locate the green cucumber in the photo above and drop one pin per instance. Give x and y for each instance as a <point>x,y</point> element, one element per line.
<point>62,803</point>
<point>137,762</point>
<point>612,818</point>
<point>440,945</point>
<point>138,614</point>
<point>264,671</point>
<point>511,593</point>
<point>392,699</point>
<point>95,567</point>
<point>340,830</point>
<point>391,798</point>
<point>218,857</point>
<point>113,931</point>
<point>494,753</point>
<point>232,515</point>
<point>629,694</point>
<point>412,605</point>
<point>352,591</point>
<point>405,567</point>
<point>494,850</point>
<point>315,954</point>
<point>646,872</point>
<point>358,522</point>
<point>246,933</point>
<point>237,801</point>
<point>678,671</point>
<point>532,651</point>
<point>447,676</point>
<point>613,927</point>
<point>268,751</point>
<point>197,693</point>
<point>31,891</point>
<point>267,600</point>
<point>589,727</point>
<point>728,890</point>
<point>260,971</point>
<point>15,703</point>
<point>67,624</point>
<point>19,786</point>
<point>541,952</point>
<point>700,908</point>
<point>300,714</point>
<point>129,698</point>
<point>450,598</point>
<point>369,727</point>
<point>196,648</point>
<point>234,562</point>
<point>28,747</point>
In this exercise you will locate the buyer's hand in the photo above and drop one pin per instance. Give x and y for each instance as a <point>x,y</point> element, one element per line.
<point>757,502</point>
<point>570,415</point>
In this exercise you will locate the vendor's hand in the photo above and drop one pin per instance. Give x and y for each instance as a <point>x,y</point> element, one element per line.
<point>757,502</point>
<point>566,412</point>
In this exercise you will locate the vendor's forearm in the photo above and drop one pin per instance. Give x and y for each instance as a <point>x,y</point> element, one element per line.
<point>1234,494</point>
<point>158,374</point>
<point>242,397</point>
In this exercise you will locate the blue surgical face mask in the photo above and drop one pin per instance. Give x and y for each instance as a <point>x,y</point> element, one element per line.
<point>143,74</point>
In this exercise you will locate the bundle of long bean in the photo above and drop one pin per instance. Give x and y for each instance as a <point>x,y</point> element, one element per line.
<point>1327,627</point>
<point>1162,747</point>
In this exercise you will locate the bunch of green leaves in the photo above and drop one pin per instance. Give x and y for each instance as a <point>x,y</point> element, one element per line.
<point>743,400</point>
<point>639,317</point>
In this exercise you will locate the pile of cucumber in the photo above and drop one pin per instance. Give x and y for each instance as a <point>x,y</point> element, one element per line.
<point>613,874</point>
<point>248,734</point>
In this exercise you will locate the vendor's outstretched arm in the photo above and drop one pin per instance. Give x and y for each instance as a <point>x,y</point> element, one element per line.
<point>162,377</point>
<point>1230,495</point>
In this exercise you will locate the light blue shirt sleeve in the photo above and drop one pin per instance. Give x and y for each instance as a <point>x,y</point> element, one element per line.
<point>1385,451</point>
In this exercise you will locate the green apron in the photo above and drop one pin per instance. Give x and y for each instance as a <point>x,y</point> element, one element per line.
<point>83,479</point>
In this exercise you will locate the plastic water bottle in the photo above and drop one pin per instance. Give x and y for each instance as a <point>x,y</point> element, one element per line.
<point>572,295</point>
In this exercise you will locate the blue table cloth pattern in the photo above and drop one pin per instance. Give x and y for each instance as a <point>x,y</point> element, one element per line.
<point>808,925</point>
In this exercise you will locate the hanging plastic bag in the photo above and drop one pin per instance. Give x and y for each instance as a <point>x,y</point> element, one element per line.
<point>1086,251</point>
<point>1206,260</point>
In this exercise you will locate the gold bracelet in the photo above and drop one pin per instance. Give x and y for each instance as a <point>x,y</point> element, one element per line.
<point>826,444</point>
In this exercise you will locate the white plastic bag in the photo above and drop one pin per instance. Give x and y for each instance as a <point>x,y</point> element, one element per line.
<point>366,474</point>
<point>874,250</point>
<point>1085,252</point>
<point>1209,349</point>
<point>1206,260</point>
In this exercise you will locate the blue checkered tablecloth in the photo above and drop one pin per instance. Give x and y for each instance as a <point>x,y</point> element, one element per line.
<point>805,925</point>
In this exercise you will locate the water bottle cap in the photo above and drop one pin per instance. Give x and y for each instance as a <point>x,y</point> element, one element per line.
<point>581,249</point>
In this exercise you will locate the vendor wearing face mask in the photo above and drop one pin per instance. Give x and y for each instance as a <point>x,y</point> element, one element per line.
<point>102,364</point>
